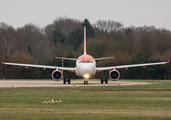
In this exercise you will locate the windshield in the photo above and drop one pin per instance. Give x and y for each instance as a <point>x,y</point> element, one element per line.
<point>84,61</point>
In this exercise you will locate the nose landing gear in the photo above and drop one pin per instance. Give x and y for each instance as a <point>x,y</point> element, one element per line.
<point>85,81</point>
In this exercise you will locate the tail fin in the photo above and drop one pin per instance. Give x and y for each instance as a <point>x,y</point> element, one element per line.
<point>85,51</point>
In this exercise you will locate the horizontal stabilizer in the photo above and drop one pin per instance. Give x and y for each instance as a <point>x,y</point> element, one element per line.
<point>104,58</point>
<point>66,58</point>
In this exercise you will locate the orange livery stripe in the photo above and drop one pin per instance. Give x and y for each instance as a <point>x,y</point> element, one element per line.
<point>85,57</point>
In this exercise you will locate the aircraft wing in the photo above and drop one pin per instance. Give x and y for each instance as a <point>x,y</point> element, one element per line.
<point>104,58</point>
<point>41,66</point>
<point>127,66</point>
<point>66,58</point>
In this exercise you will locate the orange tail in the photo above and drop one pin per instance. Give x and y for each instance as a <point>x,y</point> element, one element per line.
<point>85,52</point>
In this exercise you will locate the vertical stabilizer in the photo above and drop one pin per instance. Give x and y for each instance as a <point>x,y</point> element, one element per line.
<point>85,52</point>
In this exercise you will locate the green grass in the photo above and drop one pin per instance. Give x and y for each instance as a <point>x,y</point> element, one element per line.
<point>139,102</point>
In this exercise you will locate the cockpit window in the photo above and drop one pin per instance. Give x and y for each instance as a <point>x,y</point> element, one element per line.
<point>84,61</point>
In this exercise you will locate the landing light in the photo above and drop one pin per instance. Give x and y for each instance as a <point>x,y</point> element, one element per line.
<point>86,76</point>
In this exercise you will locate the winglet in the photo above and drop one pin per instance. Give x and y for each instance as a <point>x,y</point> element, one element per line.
<point>85,52</point>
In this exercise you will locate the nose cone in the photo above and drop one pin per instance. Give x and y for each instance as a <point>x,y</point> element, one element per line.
<point>86,69</point>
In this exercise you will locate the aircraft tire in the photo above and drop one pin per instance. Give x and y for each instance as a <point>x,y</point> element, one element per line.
<point>106,81</point>
<point>69,81</point>
<point>64,81</point>
<point>101,81</point>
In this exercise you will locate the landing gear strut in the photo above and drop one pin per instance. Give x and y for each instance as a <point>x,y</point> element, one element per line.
<point>104,80</point>
<point>85,82</point>
<point>67,80</point>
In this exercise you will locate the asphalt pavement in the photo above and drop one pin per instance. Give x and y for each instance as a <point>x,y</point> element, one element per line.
<point>51,83</point>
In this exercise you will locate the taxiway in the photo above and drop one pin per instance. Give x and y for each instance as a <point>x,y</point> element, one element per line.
<point>51,83</point>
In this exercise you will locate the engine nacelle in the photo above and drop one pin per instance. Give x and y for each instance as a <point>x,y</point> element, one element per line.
<point>57,75</point>
<point>114,75</point>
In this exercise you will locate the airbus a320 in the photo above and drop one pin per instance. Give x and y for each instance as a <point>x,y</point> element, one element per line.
<point>85,66</point>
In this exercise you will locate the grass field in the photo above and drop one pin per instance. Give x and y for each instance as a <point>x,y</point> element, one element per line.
<point>138,102</point>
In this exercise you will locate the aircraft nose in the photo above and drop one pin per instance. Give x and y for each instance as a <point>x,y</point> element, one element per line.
<point>87,69</point>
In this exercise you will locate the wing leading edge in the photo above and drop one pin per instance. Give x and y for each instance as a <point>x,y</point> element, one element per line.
<point>40,66</point>
<point>103,58</point>
<point>127,66</point>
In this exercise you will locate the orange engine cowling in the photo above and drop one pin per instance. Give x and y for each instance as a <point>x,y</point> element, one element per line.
<point>114,75</point>
<point>57,75</point>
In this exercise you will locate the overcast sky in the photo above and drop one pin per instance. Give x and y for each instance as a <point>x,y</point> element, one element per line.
<point>129,12</point>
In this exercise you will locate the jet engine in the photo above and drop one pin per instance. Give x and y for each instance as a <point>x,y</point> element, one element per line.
<point>114,75</point>
<point>56,75</point>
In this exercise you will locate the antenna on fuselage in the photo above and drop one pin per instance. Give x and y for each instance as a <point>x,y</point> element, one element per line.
<point>85,52</point>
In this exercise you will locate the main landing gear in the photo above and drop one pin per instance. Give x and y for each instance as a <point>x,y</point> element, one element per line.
<point>104,80</point>
<point>67,80</point>
<point>85,82</point>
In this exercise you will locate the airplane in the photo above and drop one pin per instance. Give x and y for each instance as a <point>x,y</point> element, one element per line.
<point>85,66</point>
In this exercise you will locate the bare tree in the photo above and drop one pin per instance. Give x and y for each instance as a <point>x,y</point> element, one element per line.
<point>108,26</point>
<point>10,41</point>
<point>66,26</point>
<point>161,39</point>
<point>35,43</point>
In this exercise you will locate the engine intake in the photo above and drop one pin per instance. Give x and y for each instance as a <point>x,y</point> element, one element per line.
<point>57,75</point>
<point>114,75</point>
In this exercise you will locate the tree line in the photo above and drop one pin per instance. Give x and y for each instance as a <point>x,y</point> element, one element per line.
<point>64,37</point>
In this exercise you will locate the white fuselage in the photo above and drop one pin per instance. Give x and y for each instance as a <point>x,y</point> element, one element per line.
<point>85,67</point>
<point>85,64</point>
